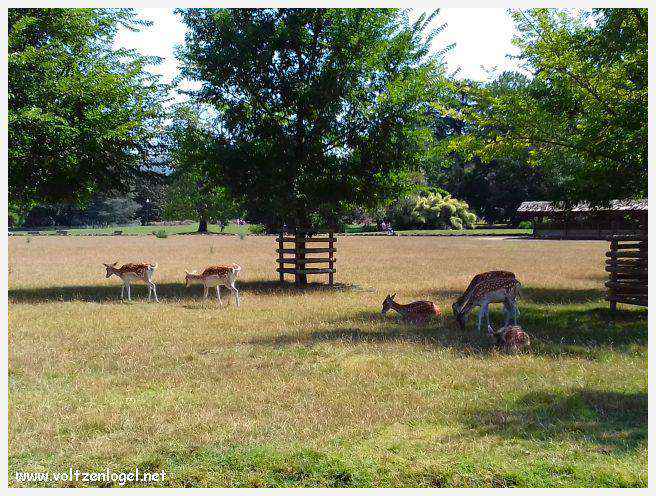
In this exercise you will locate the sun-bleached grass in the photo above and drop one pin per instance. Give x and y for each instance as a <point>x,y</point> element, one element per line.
<point>314,387</point>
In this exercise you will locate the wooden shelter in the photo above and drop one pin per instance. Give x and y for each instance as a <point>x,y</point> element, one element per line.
<point>582,221</point>
<point>297,258</point>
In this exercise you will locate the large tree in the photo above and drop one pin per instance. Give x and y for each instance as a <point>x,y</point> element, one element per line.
<point>83,116</point>
<point>319,110</point>
<point>582,115</point>
<point>195,185</point>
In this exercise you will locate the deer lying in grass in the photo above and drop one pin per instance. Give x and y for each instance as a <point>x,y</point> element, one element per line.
<point>511,338</point>
<point>492,290</point>
<point>216,276</point>
<point>132,272</point>
<point>417,312</point>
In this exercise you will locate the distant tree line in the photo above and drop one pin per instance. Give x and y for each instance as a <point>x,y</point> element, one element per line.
<point>317,117</point>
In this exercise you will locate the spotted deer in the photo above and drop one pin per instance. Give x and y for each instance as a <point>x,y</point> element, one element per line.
<point>498,289</point>
<point>216,276</point>
<point>134,272</point>
<point>511,338</point>
<point>417,312</point>
<point>476,280</point>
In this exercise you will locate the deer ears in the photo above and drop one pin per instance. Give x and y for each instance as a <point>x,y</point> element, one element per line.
<point>394,296</point>
<point>112,265</point>
<point>391,297</point>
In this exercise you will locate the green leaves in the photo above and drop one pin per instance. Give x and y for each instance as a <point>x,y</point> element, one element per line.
<point>582,116</point>
<point>320,109</point>
<point>82,116</point>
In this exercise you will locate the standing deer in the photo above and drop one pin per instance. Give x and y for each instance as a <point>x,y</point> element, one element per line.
<point>476,280</point>
<point>417,312</point>
<point>499,289</point>
<point>131,272</point>
<point>216,276</point>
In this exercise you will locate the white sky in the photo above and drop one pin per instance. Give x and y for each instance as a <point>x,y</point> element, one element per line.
<point>482,36</point>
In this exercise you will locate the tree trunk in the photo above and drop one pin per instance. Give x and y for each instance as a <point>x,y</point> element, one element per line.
<point>202,225</point>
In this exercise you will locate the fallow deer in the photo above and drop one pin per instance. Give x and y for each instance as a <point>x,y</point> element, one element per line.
<point>511,338</point>
<point>216,276</point>
<point>134,271</point>
<point>476,280</point>
<point>417,312</point>
<point>492,289</point>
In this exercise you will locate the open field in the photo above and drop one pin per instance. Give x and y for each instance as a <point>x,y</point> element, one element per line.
<point>315,388</point>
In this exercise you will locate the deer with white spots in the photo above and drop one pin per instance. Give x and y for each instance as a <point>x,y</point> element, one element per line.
<point>134,272</point>
<point>495,287</point>
<point>216,276</point>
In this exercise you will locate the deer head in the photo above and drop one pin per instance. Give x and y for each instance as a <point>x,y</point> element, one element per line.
<point>388,303</point>
<point>111,269</point>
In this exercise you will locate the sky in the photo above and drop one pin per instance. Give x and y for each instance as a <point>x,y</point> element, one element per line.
<point>482,37</point>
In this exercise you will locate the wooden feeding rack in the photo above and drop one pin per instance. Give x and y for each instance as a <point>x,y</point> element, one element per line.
<point>626,264</point>
<point>300,259</point>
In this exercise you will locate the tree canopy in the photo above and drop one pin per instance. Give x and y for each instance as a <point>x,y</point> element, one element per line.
<point>83,116</point>
<point>581,116</point>
<point>317,110</point>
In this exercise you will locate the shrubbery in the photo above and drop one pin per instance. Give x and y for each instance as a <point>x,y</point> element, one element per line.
<point>431,209</point>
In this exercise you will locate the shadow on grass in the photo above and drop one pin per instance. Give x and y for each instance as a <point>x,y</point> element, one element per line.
<point>588,332</point>
<point>528,294</point>
<point>610,420</point>
<point>100,293</point>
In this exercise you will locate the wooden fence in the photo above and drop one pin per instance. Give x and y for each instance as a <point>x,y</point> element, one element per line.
<point>299,256</point>
<point>626,264</point>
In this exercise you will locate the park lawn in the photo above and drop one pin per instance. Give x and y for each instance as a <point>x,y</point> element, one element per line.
<point>314,387</point>
<point>231,228</point>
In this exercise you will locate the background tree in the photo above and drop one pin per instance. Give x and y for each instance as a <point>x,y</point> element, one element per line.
<point>582,116</point>
<point>319,110</point>
<point>195,189</point>
<point>83,116</point>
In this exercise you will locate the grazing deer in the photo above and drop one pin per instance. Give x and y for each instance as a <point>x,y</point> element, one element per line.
<point>216,276</point>
<point>417,312</point>
<point>511,338</point>
<point>131,272</point>
<point>499,289</point>
<point>476,280</point>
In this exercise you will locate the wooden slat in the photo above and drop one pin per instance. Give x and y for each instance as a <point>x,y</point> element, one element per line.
<point>627,237</point>
<point>626,254</point>
<point>306,250</point>
<point>306,271</point>
<point>305,260</point>
<point>623,287</point>
<point>640,301</point>
<point>632,246</point>
<point>288,239</point>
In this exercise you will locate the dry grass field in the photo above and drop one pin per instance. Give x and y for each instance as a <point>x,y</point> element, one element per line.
<point>314,387</point>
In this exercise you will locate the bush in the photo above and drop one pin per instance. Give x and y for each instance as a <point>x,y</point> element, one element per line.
<point>257,229</point>
<point>525,224</point>
<point>456,222</point>
<point>161,234</point>
<point>431,210</point>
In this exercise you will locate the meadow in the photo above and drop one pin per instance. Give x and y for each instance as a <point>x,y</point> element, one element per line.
<point>314,387</point>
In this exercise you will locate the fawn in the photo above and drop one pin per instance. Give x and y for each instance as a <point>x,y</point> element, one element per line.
<point>417,312</point>
<point>216,276</point>
<point>134,271</point>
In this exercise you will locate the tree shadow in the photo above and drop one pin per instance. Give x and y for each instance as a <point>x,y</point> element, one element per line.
<point>613,421</point>
<point>578,332</point>
<point>528,294</point>
<point>102,293</point>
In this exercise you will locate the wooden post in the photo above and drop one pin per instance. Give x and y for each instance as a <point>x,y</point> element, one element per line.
<point>331,264</point>
<point>299,248</point>
<point>281,255</point>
